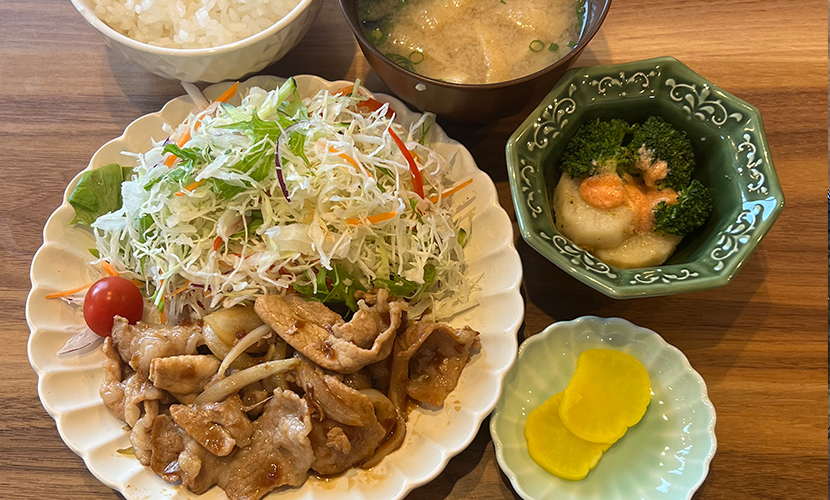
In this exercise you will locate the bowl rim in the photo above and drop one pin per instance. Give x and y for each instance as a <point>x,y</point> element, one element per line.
<point>548,332</point>
<point>583,42</point>
<point>85,9</point>
<point>629,289</point>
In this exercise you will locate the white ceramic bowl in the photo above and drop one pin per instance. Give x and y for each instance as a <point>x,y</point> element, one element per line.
<point>226,62</point>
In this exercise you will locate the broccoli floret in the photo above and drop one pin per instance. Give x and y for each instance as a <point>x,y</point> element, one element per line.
<point>693,207</point>
<point>597,147</point>
<point>664,142</point>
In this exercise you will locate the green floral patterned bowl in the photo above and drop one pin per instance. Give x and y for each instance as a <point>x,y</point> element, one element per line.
<point>665,456</point>
<point>731,151</point>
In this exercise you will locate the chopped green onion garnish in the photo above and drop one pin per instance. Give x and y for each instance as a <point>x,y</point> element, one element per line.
<point>553,47</point>
<point>376,37</point>
<point>537,45</point>
<point>416,57</point>
<point>401,61</point>
<point>571,44</point>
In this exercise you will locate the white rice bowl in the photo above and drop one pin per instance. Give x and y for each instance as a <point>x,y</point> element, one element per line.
<point>191,24</point>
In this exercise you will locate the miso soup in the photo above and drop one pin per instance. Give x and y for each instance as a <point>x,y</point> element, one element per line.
<point>473,41</point>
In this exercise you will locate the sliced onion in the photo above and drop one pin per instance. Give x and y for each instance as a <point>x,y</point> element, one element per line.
<point>276,351</point>
<point>82,342</point>
<point>214,343</point>
<point>244,343</point>
<point>246,409</point>
<point>398,381</point>
<point>227,322</point>
<point>227,386</point>
<point>398,376</point>
<point>393,443</point>
<point>75,301</point>
<point>384,409</point>
<point>280,178</point>
<point>165,143</point>
<point>221,349</point>
<point>196,95</point>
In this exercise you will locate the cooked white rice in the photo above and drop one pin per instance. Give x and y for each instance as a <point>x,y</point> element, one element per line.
<point>191,24</point>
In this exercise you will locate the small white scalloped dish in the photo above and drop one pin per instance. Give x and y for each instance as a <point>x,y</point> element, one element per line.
<point>68,385</point>
<point>665,456</point>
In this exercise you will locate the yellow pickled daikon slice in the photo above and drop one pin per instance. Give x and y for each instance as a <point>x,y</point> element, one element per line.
<point>608,393</point>
<point>554,448</point>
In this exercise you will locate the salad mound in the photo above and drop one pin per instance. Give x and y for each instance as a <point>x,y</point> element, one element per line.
<point>326,194</point>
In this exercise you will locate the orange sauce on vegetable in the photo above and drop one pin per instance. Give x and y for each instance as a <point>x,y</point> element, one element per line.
<point>603,191</point>
<point>606,191</point>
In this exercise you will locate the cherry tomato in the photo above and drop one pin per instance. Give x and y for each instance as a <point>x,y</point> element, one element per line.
<point>110,297</point>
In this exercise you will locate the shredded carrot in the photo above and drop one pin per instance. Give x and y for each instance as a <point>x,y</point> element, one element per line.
<point>180,143</point>
<point>374,219</point>
<point>109,268</point>
<point>163,318</point>
<point>71,291</point>
<point>180,289</point>
<point>217,243</point>
<point>346,91</point>
<point>225,97</point>
<point>350,160</point>
<point>190,187</point>
<point>345,157</point>
<point>450,192</point>
<point>389,215</point>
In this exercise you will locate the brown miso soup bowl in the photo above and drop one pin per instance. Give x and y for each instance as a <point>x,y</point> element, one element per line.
<point>472,103</point>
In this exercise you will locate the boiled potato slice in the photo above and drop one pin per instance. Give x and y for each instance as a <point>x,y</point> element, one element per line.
<point>587,226</point>
<point>640,250</point>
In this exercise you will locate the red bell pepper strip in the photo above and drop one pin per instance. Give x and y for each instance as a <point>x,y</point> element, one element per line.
<point>417,180</point>
<point>368,105</point>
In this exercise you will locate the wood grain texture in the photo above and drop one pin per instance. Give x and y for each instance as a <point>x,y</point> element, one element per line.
<point>760,343</point>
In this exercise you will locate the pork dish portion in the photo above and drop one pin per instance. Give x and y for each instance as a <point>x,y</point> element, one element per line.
<point>257,398</point>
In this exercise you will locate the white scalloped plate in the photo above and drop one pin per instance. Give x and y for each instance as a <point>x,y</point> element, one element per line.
<point>664,457</point>
<point>68,386</point>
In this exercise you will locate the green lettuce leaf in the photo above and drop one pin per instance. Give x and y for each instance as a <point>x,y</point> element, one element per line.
<point>404,288</point>
<point>98,193</point>
<point>336,286</point>
<point>258,129</point>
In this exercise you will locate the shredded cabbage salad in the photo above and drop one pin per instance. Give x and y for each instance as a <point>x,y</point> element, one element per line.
<point>222,218</point>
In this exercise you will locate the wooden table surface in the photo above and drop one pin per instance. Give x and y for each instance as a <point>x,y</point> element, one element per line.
<point>760,343</point>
